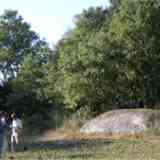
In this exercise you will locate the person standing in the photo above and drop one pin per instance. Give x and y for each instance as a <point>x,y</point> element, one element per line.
<point>16,127</point>
<point>3,143</point>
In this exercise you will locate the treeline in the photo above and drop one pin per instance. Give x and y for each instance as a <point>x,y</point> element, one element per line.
<point>111,59</point>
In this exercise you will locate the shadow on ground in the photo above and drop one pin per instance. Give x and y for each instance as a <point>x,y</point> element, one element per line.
<point>71,149</point>
<point>63,144</point>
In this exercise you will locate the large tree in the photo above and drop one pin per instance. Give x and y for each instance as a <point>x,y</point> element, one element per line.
<point>134,35</point>
<point>23,60</point>
<point>78,70</point>
<point>111,57</point>
<point>16,41</point>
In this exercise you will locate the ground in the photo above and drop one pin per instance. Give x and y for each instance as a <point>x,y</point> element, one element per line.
<point>75,146</point>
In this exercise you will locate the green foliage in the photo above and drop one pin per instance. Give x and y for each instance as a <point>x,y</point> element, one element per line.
<point>110,58</point>
<point>78,60</point>
<point>134,30</point>
<point>16,41</point>
<point>75,120</point>
<point>23,66</point>
<point>28,90</point>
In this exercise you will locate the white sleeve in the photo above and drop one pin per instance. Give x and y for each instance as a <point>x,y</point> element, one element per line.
<point>19,123</point>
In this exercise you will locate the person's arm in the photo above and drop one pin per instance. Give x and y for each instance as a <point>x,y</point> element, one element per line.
<point>10,125</point>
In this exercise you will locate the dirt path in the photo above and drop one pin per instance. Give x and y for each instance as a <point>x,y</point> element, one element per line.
<point>52,135</point>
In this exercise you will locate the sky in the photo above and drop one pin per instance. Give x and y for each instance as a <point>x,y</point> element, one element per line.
<point>50,18</point>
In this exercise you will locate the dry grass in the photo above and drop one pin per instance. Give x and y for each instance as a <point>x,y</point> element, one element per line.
<point>70,135</point>
<point>71,145</point>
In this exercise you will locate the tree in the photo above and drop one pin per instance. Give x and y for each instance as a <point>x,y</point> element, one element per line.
<point>16,41</point>
<point>77,67</point>
<point>23,60</point>
<point>134,33</point>
<point>111,57</point>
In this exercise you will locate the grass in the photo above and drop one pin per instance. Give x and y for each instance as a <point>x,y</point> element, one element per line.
<point>92,148</point>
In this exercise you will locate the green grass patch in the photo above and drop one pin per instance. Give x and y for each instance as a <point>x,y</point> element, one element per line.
<point>88,149</point>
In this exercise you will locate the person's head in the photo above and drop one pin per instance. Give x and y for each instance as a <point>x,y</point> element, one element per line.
<point>13,115</point>
<point>2,117</point>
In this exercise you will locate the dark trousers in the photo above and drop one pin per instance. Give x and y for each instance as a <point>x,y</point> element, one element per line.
<point>2,145</point>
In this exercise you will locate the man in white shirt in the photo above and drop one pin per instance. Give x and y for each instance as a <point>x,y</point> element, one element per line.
<point>16,127</point>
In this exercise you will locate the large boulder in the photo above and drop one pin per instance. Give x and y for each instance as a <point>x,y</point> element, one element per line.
<point>125,121</point>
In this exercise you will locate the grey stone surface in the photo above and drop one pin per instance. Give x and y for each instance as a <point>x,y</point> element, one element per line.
<point>125,121</point>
